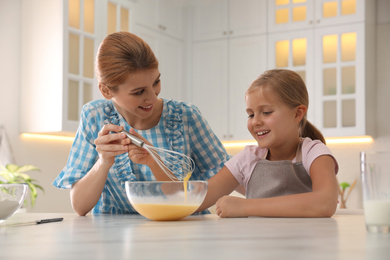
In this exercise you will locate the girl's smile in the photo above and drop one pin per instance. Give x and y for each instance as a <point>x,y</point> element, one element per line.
<point>272,123</point>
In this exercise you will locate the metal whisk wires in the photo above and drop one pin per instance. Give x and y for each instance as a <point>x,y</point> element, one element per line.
<point>175,165</point>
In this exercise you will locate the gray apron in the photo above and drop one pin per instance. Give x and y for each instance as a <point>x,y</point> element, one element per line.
<point>278,178</point>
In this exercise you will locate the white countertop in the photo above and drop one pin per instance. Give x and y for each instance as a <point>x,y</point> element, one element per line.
<point>343,236</point>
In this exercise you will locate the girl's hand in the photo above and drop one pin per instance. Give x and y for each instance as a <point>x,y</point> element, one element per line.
<point>109,145</point>
<point>140,155</point>
<point>230,206</point>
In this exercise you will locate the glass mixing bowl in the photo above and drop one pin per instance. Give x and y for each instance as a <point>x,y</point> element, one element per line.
<point>12,197</point>
<point>166,200</point>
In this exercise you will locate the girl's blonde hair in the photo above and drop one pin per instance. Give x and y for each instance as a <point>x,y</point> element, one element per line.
<point>292,91</point>
<point>121,54</point>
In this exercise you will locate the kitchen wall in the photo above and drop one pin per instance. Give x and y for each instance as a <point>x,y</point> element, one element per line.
<point>51,156</point>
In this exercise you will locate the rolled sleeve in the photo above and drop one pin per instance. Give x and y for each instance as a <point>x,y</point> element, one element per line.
<point>82,156</point>
<point>209,153</point>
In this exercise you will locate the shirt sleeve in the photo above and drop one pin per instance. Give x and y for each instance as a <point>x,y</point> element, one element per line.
<point>243,163</point>
<point>83,154</point>
<point>207,150</point>
<point>311,150</point>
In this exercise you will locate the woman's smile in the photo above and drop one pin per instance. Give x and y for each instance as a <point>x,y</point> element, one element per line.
<point>146,108</point>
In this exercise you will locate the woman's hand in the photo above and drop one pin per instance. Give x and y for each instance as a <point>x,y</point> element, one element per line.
<point>140,155</point>
<point>230,206</point>
<point>109,145</point>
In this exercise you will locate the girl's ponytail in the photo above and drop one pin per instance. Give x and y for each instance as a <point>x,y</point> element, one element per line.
<point>309,130</point>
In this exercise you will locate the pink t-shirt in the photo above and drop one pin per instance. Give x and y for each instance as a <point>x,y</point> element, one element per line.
<point>242,164</point>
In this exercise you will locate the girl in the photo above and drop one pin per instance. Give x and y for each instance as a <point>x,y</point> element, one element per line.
<point>291,173</point>
<point>101,159</point>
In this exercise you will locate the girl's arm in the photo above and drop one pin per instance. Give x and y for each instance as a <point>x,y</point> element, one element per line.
<point>321,202</point>
<point>223,183</point>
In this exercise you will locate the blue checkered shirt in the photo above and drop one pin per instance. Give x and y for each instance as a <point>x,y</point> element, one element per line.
<point>181,128</point>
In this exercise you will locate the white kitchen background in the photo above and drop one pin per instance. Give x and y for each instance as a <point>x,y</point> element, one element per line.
<point>209,52</point>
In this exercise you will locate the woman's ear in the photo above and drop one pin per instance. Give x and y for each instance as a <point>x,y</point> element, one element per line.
<point>300,112</point>
<point>106,92</point>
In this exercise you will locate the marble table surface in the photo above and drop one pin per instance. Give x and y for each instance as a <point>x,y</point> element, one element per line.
<point>342,236</point>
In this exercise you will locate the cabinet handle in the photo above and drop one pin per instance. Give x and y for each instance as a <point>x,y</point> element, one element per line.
<point>224,33</point>
<point>230,32</point>
<point>318,21</point>
<point>310,22</point>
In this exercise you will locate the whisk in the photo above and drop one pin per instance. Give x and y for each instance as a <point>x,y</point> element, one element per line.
<point>176,166</point>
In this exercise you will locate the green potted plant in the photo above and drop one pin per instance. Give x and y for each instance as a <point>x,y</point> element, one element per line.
<point>12,173</point>
<point>342,189</point>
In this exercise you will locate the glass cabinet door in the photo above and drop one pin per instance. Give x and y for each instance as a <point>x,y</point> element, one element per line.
<point>81,38</point>
<point>294,51</point>
<point>290,14</point>
<point>300,14</point>
<point>340,80</point>
<point>118,18</point>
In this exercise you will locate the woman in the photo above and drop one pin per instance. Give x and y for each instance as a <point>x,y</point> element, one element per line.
<point>102,159</point>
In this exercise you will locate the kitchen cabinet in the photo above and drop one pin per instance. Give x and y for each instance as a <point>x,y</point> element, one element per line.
<point>170,53</point>
<point>222,70</point>
<point>228,53</point>
<point>336,62</point>
<point>162,23</point>
<point>59,42</point>
<point>285,15</point>
<point>228,18</point>
<point>165,16</point>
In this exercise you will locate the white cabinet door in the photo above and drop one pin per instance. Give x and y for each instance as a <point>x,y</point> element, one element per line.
<point>226,18</point>
<point>166,16</point>
<point>172,17</point>
<point>247,17</point>
<point>247,60</point>
<point>209,83</point>
<point>222,72</point>
<point>147,13</point>
<point>210,19</point>
<point>170,54</point>
<point>171,58</point>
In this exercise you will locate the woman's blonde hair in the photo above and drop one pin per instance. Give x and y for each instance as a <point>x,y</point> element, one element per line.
<point>291,89</point>
<point>121,54</point>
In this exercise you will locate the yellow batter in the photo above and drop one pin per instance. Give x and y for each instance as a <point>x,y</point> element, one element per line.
<point>165,211</point>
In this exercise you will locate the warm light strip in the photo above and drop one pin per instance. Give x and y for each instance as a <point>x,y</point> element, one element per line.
<point>48,137</point>
<point>238,144</point>
<point>226,144</point>
<point>350,140</point>
<point>329,140</point>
